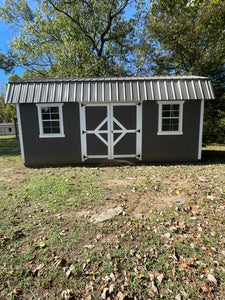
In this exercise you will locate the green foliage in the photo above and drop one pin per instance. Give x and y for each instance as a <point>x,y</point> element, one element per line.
<point>7,111</point>
<point>14,77</point>
<point>7,63</point>
<point>78,38</point>
<point>187,37</point>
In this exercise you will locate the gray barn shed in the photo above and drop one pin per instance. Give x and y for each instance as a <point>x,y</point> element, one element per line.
<point>70,121</point>
<point>7,129</point>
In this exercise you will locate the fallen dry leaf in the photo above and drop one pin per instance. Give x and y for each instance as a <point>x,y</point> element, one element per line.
<point>70,271</point>
<point>204,289</point>
<point>185,264</point>
<point>206,270</point>
<point>154,288</point>
<point>160,278</point>
<point>87,296</point>
<point>37,269</point>
<point>174,272</point>
<point>31,260</point>
<point>135,223</point>
<point>104,286</point>
<point>211,278</point>
<point>15,292</point>
<point>140,276</point>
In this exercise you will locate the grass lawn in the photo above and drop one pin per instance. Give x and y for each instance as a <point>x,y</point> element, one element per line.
<point>167,244</point>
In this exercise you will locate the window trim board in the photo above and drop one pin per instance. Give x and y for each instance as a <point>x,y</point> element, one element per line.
<point>180,125</point>
<point>40,121</point>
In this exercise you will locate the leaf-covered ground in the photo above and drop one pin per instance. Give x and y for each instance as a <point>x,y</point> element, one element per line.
<point>167,244</point>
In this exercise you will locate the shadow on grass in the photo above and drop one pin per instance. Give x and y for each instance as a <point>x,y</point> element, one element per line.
<point>9,146</point>
<point>213,157</point>
<point>209,157</point>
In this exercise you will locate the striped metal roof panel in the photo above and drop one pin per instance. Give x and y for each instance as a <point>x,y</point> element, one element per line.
<point>109,89</point>
<point>6,125</point>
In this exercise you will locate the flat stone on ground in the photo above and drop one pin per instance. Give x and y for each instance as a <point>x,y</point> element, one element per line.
<point>179,199</point>
<point>107,215</point>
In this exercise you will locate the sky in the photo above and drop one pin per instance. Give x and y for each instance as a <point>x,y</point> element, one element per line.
<point>6,34</point>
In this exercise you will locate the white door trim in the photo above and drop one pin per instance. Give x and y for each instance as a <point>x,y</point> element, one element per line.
<point>109,142</point>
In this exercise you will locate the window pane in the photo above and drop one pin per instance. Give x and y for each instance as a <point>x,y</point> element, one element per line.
<point>55,123</point>
<point>174,124</point>
<point>54,109</point>
<point>166,114</point>
<point>175,113</point>
<point>165,127</point>
<point>174,106</point>
<point>47,124</point>
<point>166,107</point>
<point>47,129</point>
<point>165,121</point>
<point>174,127</point>
<point>170,124</point>
<point>45,116</point>
<point>45,110</point>
<point>174,121</point>
<point>55,116</point>
<point>55,130</point>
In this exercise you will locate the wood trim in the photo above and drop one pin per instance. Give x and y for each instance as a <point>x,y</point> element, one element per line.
<point>40,121</point>
<point>201,130</point>
<point>180,129</point>
<point>20,133</point>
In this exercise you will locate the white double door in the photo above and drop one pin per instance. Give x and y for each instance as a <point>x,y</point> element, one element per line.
<point>112,130</point>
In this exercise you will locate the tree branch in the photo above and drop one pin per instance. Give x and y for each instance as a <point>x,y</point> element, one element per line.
<point>74,21</point>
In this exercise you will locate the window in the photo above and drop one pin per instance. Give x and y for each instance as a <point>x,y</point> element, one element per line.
<point>170,117</point>
<point>50,120</point>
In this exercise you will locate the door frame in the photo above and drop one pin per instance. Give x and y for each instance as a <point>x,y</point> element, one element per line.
<point>110,144</point>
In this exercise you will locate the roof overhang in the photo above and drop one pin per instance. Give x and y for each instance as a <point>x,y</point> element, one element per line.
<point>122,89</point>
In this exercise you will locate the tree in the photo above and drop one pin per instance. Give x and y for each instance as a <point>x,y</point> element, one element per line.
<point>7,111</point>
<point>7,63</point>
<point>187,37</point>
<point>71,38</point>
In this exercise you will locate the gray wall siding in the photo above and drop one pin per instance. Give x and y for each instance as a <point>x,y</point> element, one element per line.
<point>175,147</point>
<point>67,150</point>
<point>51,151</point>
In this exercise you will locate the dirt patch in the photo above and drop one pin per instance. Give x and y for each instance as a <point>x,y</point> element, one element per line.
<point>128,181</point>
<point>145,204</point>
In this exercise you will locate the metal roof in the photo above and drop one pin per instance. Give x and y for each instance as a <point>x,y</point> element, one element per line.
<point>109,89</point>
<point>6,125</point>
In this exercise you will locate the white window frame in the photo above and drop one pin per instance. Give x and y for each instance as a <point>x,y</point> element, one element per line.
<point>40,121</point>
<point>160,118</point>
